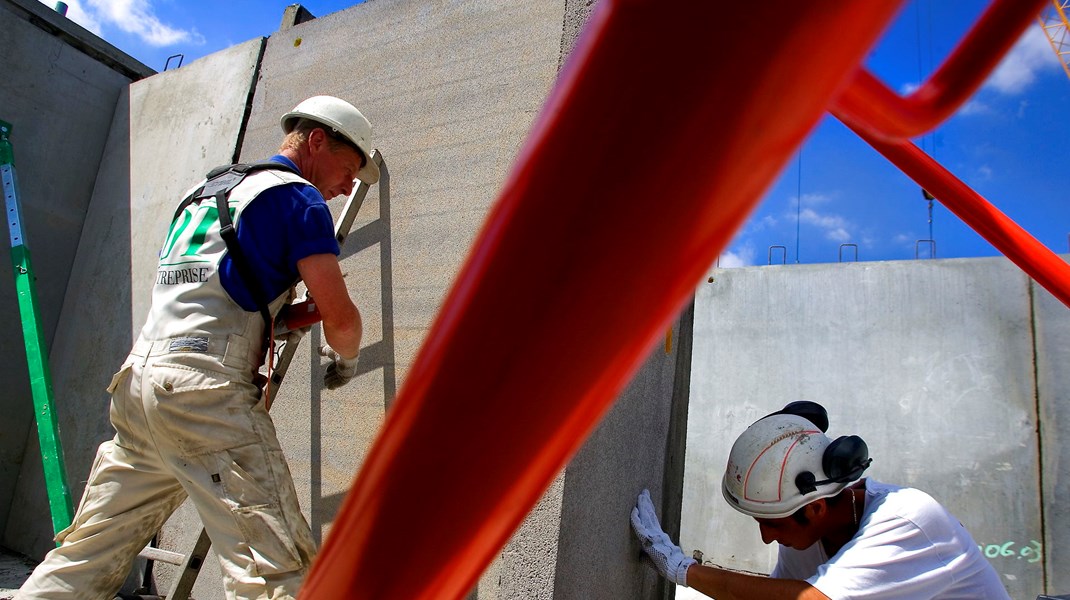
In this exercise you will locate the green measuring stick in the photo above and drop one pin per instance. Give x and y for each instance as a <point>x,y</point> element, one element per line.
<point>59,495</point>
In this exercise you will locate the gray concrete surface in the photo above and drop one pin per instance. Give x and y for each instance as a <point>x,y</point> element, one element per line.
<point>14,569</point>
<point>1052,330</point>
<point>60,97</point>
<point>633,448</point>
<point>931,362</point>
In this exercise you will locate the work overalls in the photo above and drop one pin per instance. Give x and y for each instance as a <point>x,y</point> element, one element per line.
<point>190,421</point>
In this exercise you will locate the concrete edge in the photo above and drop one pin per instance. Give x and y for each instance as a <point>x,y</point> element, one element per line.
<point>80,38</point>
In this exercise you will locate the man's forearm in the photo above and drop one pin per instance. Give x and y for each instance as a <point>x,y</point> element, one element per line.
<point>722,584</point>
<point>345,336</point>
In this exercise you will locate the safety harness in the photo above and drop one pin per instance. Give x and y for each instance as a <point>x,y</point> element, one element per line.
<point>219,182</point>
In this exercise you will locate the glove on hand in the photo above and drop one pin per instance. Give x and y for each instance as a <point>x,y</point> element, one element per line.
<point>669,559</point>
<point>341,369</point>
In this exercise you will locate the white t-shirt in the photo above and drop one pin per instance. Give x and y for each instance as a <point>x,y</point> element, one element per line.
<point>907,546</point>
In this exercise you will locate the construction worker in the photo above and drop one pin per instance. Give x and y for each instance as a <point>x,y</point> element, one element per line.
<point>188,406</point>
<point>839,536</point>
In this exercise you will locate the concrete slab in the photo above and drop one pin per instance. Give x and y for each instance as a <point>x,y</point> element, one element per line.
<point>182,124</point>
<point>92,338</point>
<point>598,557</point>
<point>60,101</point>
<point>167,131</point>
<point>931,362</point>
<point>15,569</point>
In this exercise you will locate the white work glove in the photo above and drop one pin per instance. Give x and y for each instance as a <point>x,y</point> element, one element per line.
<point>340,371</point>
<point>667,556</point>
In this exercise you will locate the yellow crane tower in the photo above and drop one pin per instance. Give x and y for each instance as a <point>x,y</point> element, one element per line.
<point>1053,22</point>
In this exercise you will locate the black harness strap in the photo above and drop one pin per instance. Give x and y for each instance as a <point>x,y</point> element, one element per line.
<point>230,236</point>
<point>220,182</point>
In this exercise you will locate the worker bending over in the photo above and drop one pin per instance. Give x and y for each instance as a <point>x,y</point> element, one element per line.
<point>188,405</point>
<point>839,537</point>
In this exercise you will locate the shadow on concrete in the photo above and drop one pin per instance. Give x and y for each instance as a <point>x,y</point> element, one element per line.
<point>379,355</point>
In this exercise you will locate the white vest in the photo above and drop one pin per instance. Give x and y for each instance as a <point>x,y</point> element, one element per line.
<point>188,298</point>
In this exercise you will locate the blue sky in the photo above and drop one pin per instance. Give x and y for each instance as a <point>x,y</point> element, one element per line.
<point>1010,142</point>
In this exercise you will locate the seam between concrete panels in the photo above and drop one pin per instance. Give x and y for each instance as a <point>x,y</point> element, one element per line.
<point>248,111</point>
<point>1031,291</point>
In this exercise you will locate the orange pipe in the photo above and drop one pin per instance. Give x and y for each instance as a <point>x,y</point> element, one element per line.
<point>664,130</point>
<point>883,113</point>
<point>1001,231</point>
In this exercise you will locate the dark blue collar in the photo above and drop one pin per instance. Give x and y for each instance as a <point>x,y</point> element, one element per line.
<point>285,161</point>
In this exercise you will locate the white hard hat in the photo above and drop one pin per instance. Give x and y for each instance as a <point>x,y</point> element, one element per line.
<point>343,119</point>
<point>784,461</point>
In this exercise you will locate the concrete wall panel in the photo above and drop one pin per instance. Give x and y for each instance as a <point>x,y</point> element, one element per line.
<point>1053,399</point>
<point>598,557</point>
<point>167,131</point>
<point>183,122</point>
<point>60,101</point>
<point>931,362</point>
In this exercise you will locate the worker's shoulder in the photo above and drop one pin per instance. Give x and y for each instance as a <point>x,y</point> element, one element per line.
<point>895,495</point>
<point>911,504</point>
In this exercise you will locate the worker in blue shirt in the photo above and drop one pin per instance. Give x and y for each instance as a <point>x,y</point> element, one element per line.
<point>188,404</point>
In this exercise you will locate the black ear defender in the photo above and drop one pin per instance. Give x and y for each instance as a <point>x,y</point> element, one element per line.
<point>811,411</point>
<point>844,460</point>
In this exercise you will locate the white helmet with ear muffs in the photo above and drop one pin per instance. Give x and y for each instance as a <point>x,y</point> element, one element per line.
<point>784,461</point>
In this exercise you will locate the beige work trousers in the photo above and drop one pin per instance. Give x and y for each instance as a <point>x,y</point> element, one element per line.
<point>187,423</point>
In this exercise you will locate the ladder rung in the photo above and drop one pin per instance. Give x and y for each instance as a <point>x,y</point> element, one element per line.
<point>166,556</point>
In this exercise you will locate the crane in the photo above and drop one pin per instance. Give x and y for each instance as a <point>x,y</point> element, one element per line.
<point>1054,23</point>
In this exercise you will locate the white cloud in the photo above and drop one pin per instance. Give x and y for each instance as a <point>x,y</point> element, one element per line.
<point>1019,68</point>
<point>136,17</point>
<point>77,13</point>
<point>974,107</point>
<point>756,225</point>
<point>740,257</point>
<point>815,199</point>
<point>835,227</point>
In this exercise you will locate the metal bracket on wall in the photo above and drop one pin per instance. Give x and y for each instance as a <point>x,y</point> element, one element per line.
<point>784,254</point>
<point>854,246</point>
<point>167,64</point>
<point>920,243</point>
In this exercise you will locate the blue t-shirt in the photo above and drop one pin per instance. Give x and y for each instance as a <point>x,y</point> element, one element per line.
<point>281,226</point>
